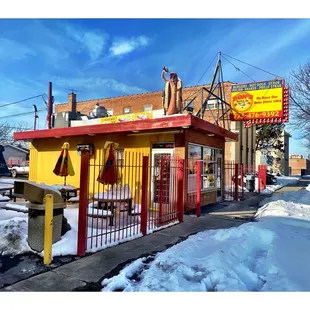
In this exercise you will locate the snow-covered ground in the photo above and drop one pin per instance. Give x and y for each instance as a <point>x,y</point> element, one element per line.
<point>270,254</point>
<point>281,181</point>
<point>14,231</point>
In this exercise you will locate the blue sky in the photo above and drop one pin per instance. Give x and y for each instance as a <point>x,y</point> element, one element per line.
<point>111,57</point>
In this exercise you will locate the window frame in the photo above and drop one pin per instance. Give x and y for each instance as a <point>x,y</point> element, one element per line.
<point>192,105</point>
<point>204,162</point>
<point>147,105</point>
<point>127,107</point>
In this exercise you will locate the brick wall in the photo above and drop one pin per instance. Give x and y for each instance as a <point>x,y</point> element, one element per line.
<point>296,164</point>
<point>136,103</point>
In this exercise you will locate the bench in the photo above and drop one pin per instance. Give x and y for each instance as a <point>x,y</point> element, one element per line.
<point>95,212</point>
<point>108,204</point>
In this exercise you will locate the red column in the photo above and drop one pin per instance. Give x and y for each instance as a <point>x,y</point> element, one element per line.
<point>160,213</point>
<point>236,181</point>
<point>180,203</point>
<point>198,188</point>
<point>145,179</point>
<point>259,177</point>
<point>83,203</point>
<point>264,176</point>
<point>242,183</point>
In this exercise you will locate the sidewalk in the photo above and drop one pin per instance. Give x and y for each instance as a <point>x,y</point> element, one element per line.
<point>86,273</point>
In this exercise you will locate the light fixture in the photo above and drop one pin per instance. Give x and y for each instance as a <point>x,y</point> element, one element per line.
<point>91,134</point>
<point>58,137</point>
<point>189,110</point>
<point>211,135</point>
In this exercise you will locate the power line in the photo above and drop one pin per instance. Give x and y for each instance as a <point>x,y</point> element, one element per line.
<point>277,76</point>
<point>7,104</point>
<point>20,114</point>
<point>14,127</point>
<point>238,69</point>
<point>202,77</point>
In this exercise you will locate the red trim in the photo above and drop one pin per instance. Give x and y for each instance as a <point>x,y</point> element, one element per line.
<point>259,178</point>
<point>237,182</point>
<point>202,125</point>
<point>180,205</point>
<point>83,204</point>
<point>145,165</point>
<point>198,188</point>
<point>161,185</point>
<point>164,123</point>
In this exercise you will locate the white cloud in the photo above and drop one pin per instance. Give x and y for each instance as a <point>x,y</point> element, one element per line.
<point>99,85</point>
<point>93,41</point>
<point>12,50</point>
<point>126,46</point>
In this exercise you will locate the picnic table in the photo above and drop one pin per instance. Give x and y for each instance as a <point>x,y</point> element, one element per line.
<point>108,202</point>
<point>6,187</point>
<point>67,191</point>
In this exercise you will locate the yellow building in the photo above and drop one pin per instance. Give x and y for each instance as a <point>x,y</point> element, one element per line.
<point>183,136</point>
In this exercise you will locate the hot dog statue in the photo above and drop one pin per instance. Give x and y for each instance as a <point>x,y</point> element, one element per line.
<point>172,94</point>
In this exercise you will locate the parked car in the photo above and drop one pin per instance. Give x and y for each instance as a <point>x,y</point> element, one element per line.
<point>20,170</point>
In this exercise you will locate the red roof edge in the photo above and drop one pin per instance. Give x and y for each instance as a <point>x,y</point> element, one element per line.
<point>155,124</point>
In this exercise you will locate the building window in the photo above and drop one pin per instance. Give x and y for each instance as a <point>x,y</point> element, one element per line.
<point>110,112</point>
<point>207,156</point>
<point>127,110</point>
<point>190,102</point>
<point>208,172</point>
<point>212,104</point>
<point>148,108</point>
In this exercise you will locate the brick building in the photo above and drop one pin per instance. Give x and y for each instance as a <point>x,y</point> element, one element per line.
<point>242,151</point>
<point>299,165</point>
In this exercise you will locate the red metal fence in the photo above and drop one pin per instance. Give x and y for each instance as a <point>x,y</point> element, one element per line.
<point>146,195</point>
<point>262,177</point>
<point>145,198</point>
<point>234,181</point>
<point>235,187</point>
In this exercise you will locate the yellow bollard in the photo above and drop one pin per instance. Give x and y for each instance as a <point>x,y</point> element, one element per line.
<point>48,229</point>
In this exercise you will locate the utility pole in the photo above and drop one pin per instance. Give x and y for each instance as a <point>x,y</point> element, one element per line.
<point>35,117</point>
<point>49,106</point>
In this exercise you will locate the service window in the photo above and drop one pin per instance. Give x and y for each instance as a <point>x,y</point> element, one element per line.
<point>208,173</point>
<point>207,156</point>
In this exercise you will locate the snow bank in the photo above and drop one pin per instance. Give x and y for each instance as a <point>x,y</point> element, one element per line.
<point>268,255</point>
<point>251,257</point>
<point>13,236</point>
<point>281,208</point>
<point>281,182</point>
<point>14,232</point>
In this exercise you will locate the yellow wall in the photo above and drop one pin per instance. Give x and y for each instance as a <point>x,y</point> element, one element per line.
<point>45,152</point>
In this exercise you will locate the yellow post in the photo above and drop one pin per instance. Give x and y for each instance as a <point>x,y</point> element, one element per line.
<point>48,229</point>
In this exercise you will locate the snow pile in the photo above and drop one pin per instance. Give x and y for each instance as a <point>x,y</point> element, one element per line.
<point>13,236</point>
<point>268,255</point>
<point>251,257</point>
<point>14,232</point>
<point>299,197</point>
<point>281,208</point>
<point>281,182</point>
<point>308,188</point>
<point>4,198</point>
